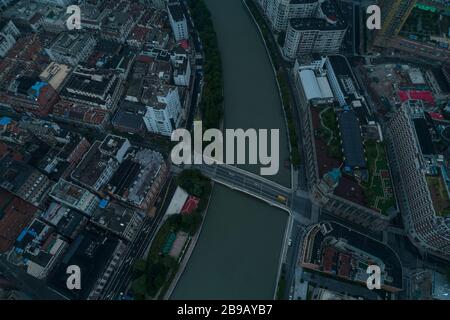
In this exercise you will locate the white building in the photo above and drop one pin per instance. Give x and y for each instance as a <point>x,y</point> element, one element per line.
<point>313,35</point>
<point>279,12</point>
<point>158,120</point>
<point>115,146</point>
<point>311,25</point>
<point>163,111</point>
<point>182,72</point>
<point>181,66</point>
<point>313,79</point>
<point>425,229</point>
<point>178,21</point>
<point>96,168</point>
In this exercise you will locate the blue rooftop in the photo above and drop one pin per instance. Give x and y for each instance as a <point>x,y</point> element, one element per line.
<point>22,235</point>
<point>4,121</point>
<point>36,88</point>
<point>103,203</point>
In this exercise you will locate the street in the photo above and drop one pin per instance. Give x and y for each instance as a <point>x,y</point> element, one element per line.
<point>137,249</point>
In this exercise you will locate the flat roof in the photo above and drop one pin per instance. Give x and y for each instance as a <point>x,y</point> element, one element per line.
<point>176,11</point>
<point>91,251</point>
<point>310,85</point>
<point>351,139</point>
<point>316,24</point>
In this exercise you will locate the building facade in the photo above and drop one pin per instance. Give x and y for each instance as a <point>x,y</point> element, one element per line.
<point>163,111</point>
<point>71,48</point>
<point>312,35</point>
<point>74,197</point>
<point>424,228</point>
<point>178,21</point>
<point>279,12</point>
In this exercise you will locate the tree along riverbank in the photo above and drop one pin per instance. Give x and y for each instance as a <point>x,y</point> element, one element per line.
<point>211,104</point>
<point>153,276</point>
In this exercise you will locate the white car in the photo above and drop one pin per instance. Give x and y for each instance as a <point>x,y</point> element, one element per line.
<point>290,242</point>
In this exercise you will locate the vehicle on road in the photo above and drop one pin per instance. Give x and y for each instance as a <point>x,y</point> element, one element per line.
<point>281,199</point>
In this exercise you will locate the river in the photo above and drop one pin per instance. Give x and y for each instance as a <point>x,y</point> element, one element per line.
<point>238,251</point>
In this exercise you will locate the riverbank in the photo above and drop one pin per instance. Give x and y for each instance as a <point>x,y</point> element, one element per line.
<point>238,252</point>
<point>211,103</point>
<point>280,76</point>
<point>154,276</point>
<point>188,252</point>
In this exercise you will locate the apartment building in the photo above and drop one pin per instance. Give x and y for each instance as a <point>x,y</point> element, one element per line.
<point>321,32</point>
<point>75,197</point>
<point>178,21</point>
<point>37,249</point>
<point>139,179</point>
<point>95,170</point>
<point>24,181</point>
<point>416,168</point>
<point>163,109</point>
<point>99,89</point>
<point>71,48</point>
<point>312,35</point>
<point>279,12</point>
<point>121,221</point>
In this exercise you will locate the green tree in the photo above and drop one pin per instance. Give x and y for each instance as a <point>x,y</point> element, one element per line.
<point>139,287</point>
<point>194,183</point>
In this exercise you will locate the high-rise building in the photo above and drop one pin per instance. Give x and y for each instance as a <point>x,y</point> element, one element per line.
<point>279,12</point>
<point>393,16</point>
<point>311,25</point>
<point>178,20</point>
<point>311,35</point>
<point>321,30</point>
<point>163,109</point>
<point>417,170</point>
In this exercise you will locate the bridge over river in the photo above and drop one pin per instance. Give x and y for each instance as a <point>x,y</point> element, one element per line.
<point>298,201</point>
